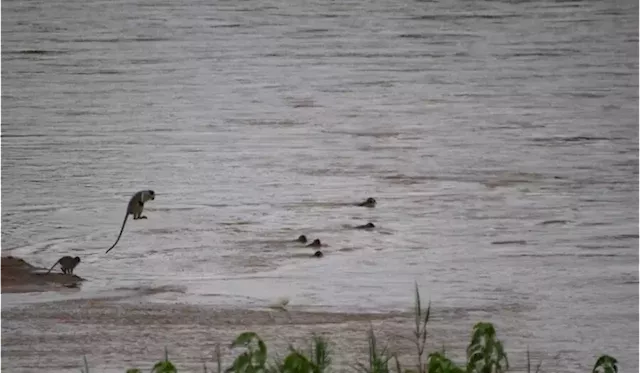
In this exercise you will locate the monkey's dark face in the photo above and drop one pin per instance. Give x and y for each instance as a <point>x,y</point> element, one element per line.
<point>76,259</point>
<point>318,254</point>
<point>152,194</point>
<point>302,238</point>
<point>370,225</point>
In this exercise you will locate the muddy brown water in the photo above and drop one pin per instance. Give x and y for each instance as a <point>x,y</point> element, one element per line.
<point>500,140</point>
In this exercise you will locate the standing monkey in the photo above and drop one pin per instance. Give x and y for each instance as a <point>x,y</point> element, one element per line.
<point>135,207</point>
<point>67,264</point>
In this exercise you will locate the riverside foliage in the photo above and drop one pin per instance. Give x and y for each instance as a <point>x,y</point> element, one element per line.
<point>485,354</point>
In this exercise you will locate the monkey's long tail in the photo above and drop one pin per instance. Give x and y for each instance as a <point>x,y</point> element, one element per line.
<point>54,264</point>
<point>121,230</point>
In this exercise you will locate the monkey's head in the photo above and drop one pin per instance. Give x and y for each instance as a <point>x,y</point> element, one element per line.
<point>76,259</point>
<point>369,202</point>
<point>302,238</point>
<point>315,242</point>
<point>148,195</point>
<point>318,254</point>
<point>370,225</point>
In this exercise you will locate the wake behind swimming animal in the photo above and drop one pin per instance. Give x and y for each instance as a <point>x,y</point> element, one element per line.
<point>369,202</point>
<point>135,207</point>
<point>67,264</point>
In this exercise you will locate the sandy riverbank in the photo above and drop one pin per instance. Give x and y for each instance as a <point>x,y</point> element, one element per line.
<point>131,330</point>
<point>119,332</point>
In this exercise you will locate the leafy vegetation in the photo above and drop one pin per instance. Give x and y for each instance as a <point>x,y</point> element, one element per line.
<point>485,354</point>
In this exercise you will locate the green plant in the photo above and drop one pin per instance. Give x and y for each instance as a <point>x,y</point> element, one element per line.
<point>254,359</point>
<point>317,360</point>
<point>439,363</point>
<point>605,364</point>
<point>485,353</point>
<point>378,361</point>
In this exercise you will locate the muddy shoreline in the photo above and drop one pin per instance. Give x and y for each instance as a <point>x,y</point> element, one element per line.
<point>130,330</point>
<point>18,276</point>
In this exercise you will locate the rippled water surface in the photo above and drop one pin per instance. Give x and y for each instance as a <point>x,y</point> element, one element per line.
<point>499,139</point>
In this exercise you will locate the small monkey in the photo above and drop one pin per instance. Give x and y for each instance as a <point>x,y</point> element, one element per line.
<point>135,207</point>
<point>370,202</point>
<point>302,238</point>
<point>67,264</point>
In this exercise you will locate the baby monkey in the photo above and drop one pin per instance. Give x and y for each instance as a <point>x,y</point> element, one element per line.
<point>67,264</point>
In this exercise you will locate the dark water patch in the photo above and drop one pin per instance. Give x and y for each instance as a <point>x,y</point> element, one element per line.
<point>569,139</point>
<point>377,83</point>
<point>558,221</point>
<point>617,237</point>
<point>537,255</point>
<point>118,40</point>
<point>35,52</point>
<point>381,134</point>
<point>143,290</point>
<point>265,122</point>
<point>312,30</point>
<point>599,255</point>
<point>24,135</point>
<point>239,222</point>
<point>601,246</point>
<point>169,209</point>
<point>463,16</point>
<point>537,54</point>
<point>437,35</point>
<point>374,55</point>
<point>509,242</point>
<point>146,61</point>
<point>582,94</point>
<point>406,179</point>
<point>229,25</point>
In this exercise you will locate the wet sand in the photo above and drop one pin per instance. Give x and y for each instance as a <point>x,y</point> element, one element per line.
<point>120,332</point>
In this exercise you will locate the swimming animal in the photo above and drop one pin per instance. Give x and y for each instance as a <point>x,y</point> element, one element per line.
<point>318,254</point>
<point>67,264</point>
<point>366,226</point>
<point>369,202</point>
<point>315,243</point>
<point>135,207</point>
<point>302,238</point>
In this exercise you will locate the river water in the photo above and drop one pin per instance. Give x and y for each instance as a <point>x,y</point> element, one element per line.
<point>500,140</point>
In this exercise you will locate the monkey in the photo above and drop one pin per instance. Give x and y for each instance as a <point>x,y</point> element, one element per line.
<point>318,254</point>
<point>315,243</point>
<point>135,207</point>
<point>67,264</point>
<point>366,226</point>
<point>302,238</point>
<point>370,202</point>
